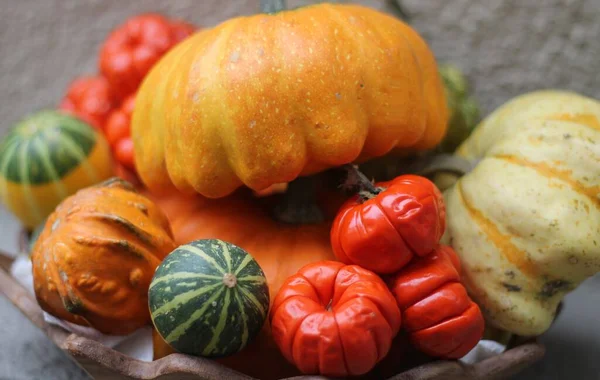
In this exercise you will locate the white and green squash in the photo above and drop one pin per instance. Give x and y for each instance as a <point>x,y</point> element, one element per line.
<point>209,298</point>
<point>47,157</point>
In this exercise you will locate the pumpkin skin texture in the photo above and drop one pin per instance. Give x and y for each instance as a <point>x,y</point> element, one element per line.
<point>47,157</point>
<point>226,298</point>
<point>384,233</point>
<point>334,320</point>
<point>261,100</point>
<point>441,319</point>
<point>525,221</point>
<point>95,258</point>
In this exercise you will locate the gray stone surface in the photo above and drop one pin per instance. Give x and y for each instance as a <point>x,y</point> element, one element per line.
<point>505,47</point>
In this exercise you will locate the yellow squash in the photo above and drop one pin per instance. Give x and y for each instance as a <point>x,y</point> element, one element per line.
<point>526,220</point>
<point>261,100</point>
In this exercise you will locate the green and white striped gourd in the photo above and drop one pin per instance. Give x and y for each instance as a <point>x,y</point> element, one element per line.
<point>209,298</point>
<point>47,157</point>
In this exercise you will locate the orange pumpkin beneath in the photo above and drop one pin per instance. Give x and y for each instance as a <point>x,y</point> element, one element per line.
<point>280,249</point>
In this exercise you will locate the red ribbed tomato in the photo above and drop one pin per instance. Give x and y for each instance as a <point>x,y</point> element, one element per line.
<point>334,320</point>
<point>90,99</point>
<point>383,229</point>
<point>438,314</point>
<point>131,50</point>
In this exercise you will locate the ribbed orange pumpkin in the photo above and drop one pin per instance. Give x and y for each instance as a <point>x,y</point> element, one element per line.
<point>96,256</point>
<point>261,100</point>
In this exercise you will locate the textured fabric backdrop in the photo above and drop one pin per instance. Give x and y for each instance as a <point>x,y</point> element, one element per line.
<point>505,47</point>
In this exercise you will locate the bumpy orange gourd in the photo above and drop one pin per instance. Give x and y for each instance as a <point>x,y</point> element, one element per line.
<point>96,256</point>
<point>262,100</point>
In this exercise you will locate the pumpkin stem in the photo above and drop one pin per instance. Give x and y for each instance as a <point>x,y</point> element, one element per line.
<point>229,280</point>
<point>298,205</point>
<point>272,6</point>
<point>357,182</point>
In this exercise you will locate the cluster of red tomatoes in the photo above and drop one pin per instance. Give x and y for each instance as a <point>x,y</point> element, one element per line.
<point>394,276</point>
<point>106,100</point>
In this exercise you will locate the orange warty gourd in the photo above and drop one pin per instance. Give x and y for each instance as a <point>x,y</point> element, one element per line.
<point>265,99</point>
<point>94,260</point>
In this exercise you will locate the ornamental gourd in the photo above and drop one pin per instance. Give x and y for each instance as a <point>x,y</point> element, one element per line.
<point>95,258</point>
<point>47,157</point>
<point>209,298</point>
<point>261,100</point>
<point>526,220</point>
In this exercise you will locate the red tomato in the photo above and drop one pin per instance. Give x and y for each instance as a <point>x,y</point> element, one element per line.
<point>439,316</point>
<point>124,153</point>
<point>118,125</point>
<point>131,50</point>
<point>384,232</point>
<point>334,319</point>
<point>90,99</point>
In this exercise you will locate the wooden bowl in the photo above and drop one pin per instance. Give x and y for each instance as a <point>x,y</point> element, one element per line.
<point>102,362</point>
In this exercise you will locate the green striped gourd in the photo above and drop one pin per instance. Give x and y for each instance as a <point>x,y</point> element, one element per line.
<point>209,298</point>
<point>45,158</point>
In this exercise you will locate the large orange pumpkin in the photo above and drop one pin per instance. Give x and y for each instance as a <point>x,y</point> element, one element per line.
<point>95,258</point>
<point>261,100</point>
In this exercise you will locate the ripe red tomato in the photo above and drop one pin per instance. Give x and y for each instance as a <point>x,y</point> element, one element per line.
<point>384,230</point>
<point>124,153</point>
<point>89,98</point>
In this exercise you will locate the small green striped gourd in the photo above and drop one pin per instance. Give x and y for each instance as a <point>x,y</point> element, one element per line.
<point>209,298</point>
<point>47,157</point>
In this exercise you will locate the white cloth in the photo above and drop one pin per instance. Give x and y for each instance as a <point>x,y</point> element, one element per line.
<point>139,344</point>
<point>483,350</point>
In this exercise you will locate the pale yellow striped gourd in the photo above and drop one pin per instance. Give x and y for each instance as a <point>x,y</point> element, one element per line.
<point>526,220</point>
